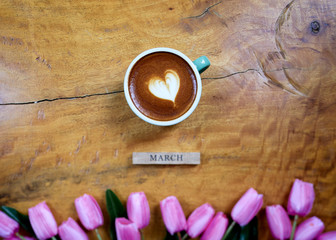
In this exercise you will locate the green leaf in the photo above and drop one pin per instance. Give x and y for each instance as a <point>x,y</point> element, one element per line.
<point>245,232</point>
<point>115,210</point>
<point>235,236</point>
<point>171,237</point>
<point>254,228</point>
<point>22,219</point>
<point>234,233</point>
<point>250,231</point>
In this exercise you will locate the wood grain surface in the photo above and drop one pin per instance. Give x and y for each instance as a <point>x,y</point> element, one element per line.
<point>267,113</point>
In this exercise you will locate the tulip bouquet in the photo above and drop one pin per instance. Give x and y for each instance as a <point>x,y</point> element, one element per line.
<point>41,223</point>
<point>203,223</point>
<point>300,203</point>
<point>127,224</point>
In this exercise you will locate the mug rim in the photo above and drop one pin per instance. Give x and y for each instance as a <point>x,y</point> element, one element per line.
<point>158,122</point>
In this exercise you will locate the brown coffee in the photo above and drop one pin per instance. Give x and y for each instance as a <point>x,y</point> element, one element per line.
<point>162,86</point>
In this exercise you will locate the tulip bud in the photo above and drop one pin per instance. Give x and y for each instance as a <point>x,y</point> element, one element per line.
<point>309,229</point>
<point>138,209</point>
<point>301,198</point>
<point>247,207</point>
<point>70,230</point>
<point>199,220</point>
<point>126,230</point>
<point>8,227</point>
<point>327,236</point>
<point>42,221</point>
<point>278,222</point>
<point>216,228</point>
<point>89,212</point>
<point>173,215</point>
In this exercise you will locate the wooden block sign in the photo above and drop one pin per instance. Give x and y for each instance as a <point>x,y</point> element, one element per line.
<point>170,158</point>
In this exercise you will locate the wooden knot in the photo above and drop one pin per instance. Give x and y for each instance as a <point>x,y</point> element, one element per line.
<point>315,27</point>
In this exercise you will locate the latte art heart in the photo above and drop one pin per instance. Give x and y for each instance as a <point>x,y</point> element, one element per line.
<point>165,89</point>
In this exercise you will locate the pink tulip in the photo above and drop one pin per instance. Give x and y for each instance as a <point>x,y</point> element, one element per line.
<point>216,228</point>
<point>301,198</point>
<point>8,227</point>
<point>309,229</point>
<point>126,230</point>
<point>199,220</point>
<point>89,212</point>
<point>70,230</point>
<point>327,236</point>
<point>278,222</point>
<point>42,221</point>
<point>247,207</point>
<point>138,209</point>
<point>173,215</point>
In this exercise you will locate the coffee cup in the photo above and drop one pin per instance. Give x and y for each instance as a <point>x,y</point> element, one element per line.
<point>163,86</point>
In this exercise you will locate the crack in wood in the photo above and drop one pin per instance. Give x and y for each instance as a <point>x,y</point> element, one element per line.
<point>283,17</point>
<point>271,80</point>
<point>120,91</point>
<point>61,98</point>
<point>264,74</point>
<point>204,12</point>
<point>232,74</point>
<point>248,70</point>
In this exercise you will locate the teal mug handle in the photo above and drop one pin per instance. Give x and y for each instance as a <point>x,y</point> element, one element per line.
<point>202,63</point>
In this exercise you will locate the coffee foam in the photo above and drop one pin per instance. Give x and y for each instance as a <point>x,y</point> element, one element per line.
<point>167,89</point>
<point>162,86</point>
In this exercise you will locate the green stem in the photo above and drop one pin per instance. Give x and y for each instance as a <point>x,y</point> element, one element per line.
<point>294,227</point>
<point>229,230</point>
<point>98,235</point>
<point>53,238</point>
<point>185,236</point>
<point>142,236</point>
<point>179,236</point>
<point>19,236</point>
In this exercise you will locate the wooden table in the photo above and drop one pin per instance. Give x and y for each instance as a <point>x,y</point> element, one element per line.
<point>267,113</point>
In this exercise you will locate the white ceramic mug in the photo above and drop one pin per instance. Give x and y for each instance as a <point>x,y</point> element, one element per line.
<point>198,66</point>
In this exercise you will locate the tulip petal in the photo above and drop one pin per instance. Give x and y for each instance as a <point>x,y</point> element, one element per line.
<point>70,230</point>
<point>89,212</point>
<point>173,215</point>
<point>8,227</point>
<point>247,207</point>
<point>278,222</point>
<point>327,236</point>
<point>126,230</point>
<point>42,221</point>
<point>216,228</point>
<point>301,198</point>
<point>21,219</point>
<point>309,229</point>
<point>138,209</point>
<point>199,220</point>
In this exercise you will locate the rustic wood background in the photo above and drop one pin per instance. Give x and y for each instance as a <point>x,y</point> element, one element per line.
<point>266,116</point>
